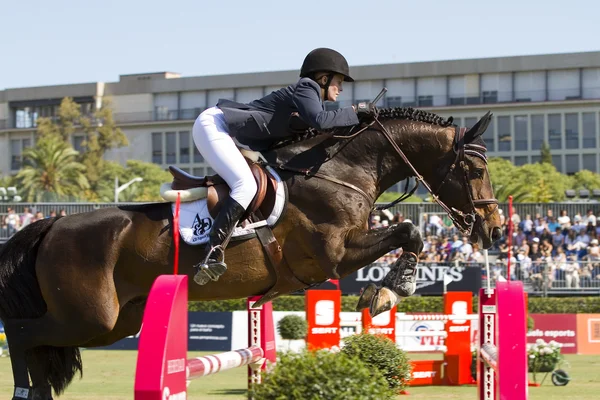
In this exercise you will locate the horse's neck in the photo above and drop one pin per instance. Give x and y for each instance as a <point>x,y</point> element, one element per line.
<point>424,145</point>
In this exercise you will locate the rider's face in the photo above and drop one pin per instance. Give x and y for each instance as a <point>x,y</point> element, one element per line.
<point>335,88</point>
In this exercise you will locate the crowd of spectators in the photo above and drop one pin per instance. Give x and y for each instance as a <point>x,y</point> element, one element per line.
<point>548,251</point>
<point>11,222</point>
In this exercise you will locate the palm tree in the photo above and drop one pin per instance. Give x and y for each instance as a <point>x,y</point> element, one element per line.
<point>51,168</point>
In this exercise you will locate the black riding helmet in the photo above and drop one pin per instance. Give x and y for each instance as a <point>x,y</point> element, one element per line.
<point>325,60</point>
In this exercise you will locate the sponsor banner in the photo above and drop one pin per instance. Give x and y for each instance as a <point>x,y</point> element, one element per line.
<point>323,314</point>
<point>561,328</point>
<point>588,333</point>
<point>207,331</point>
<point>430,279</point>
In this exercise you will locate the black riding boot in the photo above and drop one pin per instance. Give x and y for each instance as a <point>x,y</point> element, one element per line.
<point>223,226</point>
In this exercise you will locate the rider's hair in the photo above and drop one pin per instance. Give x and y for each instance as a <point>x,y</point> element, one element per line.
<point>415,115</point>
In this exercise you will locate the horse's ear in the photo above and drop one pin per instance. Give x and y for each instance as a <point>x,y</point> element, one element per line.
<point>478,129</point>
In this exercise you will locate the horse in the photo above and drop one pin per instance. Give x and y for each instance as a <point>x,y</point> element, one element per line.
<point>82,280</point>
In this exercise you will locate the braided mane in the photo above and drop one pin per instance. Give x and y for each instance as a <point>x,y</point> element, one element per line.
<point>409,113</point>
<point>414,115</point>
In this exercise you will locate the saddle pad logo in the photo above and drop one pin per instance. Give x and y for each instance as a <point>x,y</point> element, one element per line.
<point>201,226</point>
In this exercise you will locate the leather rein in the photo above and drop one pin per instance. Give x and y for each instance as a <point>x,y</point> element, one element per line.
<point>464,221</point>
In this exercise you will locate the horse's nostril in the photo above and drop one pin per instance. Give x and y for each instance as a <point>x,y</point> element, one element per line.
<point>496,234</point>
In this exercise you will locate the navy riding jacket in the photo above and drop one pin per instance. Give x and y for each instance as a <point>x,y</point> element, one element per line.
<point>265,121</point>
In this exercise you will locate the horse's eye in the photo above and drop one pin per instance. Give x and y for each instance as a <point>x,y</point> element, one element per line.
<point>478,173</point>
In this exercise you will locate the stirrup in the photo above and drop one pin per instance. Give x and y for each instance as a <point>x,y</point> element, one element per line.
<point>210,269</point>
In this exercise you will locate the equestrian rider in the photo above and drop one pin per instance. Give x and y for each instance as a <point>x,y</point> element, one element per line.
<point>220,130</point>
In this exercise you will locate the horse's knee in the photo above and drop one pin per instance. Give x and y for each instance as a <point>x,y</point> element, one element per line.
<point>415,241</point>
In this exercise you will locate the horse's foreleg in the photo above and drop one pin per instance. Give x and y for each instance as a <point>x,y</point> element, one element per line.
<point>400,282</point>
<point>364,247</point>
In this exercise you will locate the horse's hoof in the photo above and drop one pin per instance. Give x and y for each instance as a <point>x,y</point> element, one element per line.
<point>384,301</point>
<point>366,297</point>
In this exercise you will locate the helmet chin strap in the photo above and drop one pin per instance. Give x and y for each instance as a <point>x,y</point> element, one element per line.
<point>326,85</point>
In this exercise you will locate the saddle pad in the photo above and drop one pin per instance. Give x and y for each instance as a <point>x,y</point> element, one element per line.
<point>195,221</point>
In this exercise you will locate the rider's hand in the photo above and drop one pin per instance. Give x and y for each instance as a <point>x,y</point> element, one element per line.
<point>366,109</point>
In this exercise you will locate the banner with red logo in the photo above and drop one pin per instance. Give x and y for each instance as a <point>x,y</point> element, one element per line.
<point>323,316</point>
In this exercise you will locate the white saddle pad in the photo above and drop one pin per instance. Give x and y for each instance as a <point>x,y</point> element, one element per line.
<point>195,222</point>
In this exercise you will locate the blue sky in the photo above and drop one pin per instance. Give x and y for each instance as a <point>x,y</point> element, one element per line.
<point>68,41</point>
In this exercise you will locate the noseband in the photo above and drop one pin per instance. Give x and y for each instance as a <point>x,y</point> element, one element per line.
<point>464,221</point>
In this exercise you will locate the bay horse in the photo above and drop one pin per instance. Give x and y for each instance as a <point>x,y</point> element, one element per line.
<point>82,280</point>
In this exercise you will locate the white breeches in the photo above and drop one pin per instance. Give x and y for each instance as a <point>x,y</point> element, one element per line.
<point>220,152</point>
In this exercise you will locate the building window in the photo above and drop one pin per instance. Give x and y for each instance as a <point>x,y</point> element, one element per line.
<point>589,130</point>
<point>557,162</point>
<point>489,136</point>
<point>197,156</point>
<point>572,161</point>
<point>198,172</point>
<point>16,152</point>
<point>521,160</point>
<point>572,131</point>
<point>521,137</point>
<point>425,101</point>
<point>589,162</point>
<point>469,122</point>
<point>536,159</point>
<point>78,143</point>
<point>171,148</point>
<point>394,101</point>
<point>157,148</point>
<point>537,132</point>
<point>504,134</point>
<point>554,131</point>
<point>184,147</point>
<point>490,96</point>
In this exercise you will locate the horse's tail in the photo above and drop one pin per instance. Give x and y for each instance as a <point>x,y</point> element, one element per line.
<point>20,297</point>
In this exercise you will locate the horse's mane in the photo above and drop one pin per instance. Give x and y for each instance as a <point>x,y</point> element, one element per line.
<point>399,113</point>
<point>414,114</point>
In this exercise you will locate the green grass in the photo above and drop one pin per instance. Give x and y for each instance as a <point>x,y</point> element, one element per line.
<point>108,375</point>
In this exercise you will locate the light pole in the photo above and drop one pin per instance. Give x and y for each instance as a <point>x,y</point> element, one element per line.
<point>119,189</point>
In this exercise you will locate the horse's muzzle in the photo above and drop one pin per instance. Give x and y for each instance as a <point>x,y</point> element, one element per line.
<point>496,234</point>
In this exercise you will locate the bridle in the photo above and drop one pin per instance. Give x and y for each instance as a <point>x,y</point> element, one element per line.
<point>464,221</point>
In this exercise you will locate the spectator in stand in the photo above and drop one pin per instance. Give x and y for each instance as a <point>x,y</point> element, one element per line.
<point>26,218</point>
<point>553,224</point>
<point>558,239</point>
<point>572,273</point>
<point>546,249</point>
<point>38,216</point>
<point>519,237</point>
<point>558,267</point>
<point>466,249</point>
<point>578,224</point>
<point>546,235</point>
<point>375,221</point>
<point>476,256</point>
<point>522,266</point>
<point>12,221</point>
<point>527,226</point>
<point>570,241</point>
<point>539,226</point>
<point>564,221</point>
<point>582,241</point>
<point>62,212</point>
<point>549,215</point>
<point>590,218</point>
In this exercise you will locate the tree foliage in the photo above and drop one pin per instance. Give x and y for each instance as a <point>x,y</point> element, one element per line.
<point>54,171</point>
<point>545,154</point>
<point>539,182</point>
<point>51,171</point>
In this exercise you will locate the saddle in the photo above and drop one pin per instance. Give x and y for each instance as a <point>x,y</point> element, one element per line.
<point>214,189</point>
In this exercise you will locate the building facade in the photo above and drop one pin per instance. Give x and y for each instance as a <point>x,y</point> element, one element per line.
<point>553,98</point>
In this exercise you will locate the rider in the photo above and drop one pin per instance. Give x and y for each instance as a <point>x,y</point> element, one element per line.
<point>220,130</point>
